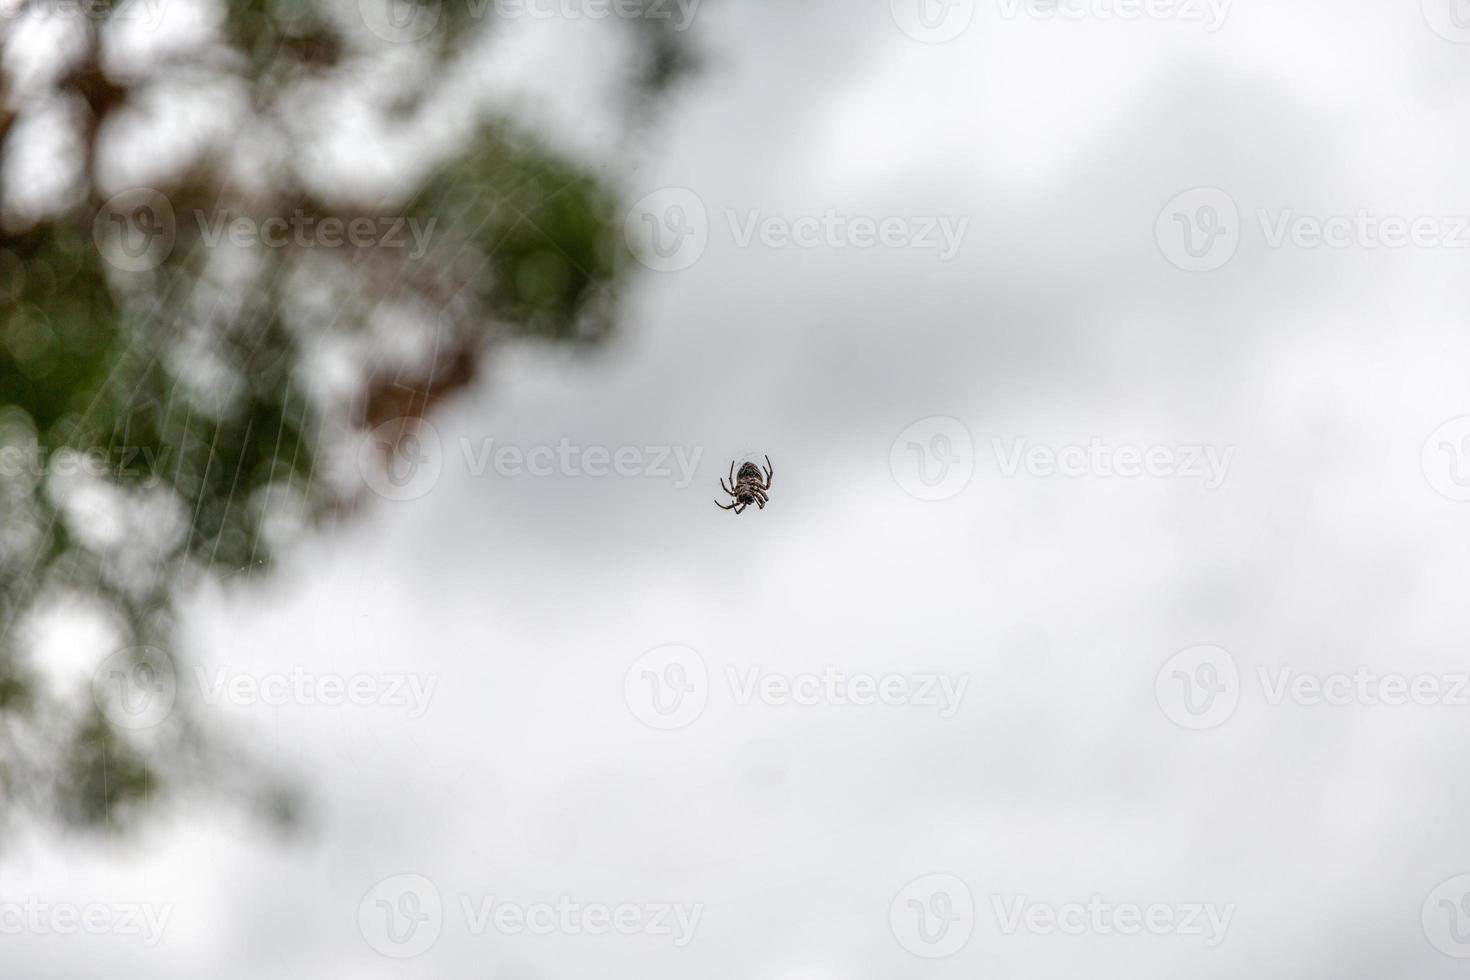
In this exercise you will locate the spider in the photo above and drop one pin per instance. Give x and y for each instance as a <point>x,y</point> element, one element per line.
<point>749,487</point>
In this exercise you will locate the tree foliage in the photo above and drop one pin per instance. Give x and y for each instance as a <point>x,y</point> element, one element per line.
<point>174,411</point>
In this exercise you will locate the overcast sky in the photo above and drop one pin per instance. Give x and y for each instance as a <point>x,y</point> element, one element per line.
<point>1110,372</point>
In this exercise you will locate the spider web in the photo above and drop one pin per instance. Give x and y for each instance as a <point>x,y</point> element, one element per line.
<point>226,507</point>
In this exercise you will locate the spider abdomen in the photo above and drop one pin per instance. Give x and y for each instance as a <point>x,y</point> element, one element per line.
<point>747,487</point>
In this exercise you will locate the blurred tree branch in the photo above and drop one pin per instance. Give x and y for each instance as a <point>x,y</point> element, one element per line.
<point>200,359</point>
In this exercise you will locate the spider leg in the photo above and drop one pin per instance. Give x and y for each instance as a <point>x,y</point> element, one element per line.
<point>769,471</point>
<point>729,490</point>
<point>732,472</point>
<point>741,508</point>
<point>725,506</point>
